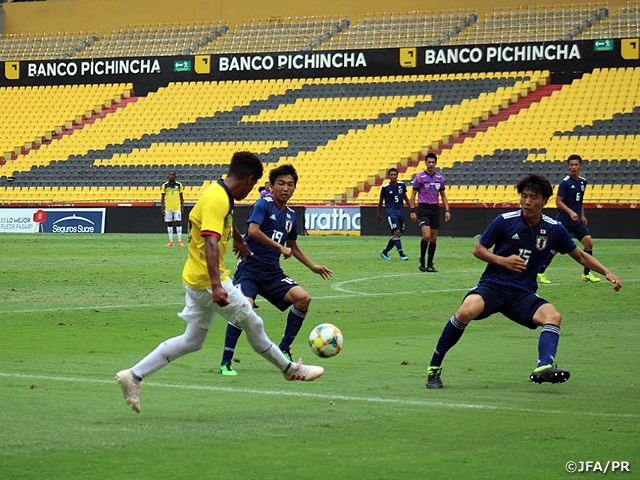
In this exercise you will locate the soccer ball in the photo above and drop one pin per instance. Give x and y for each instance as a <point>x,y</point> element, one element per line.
<point>326,340</point>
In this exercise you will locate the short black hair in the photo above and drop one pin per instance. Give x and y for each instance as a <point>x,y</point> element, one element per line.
<point>574,156</point>
<point>536,183</point>
<point>431,155</point>
<point>392,169</point>
<point>286,169</point>
<point>245,164</point>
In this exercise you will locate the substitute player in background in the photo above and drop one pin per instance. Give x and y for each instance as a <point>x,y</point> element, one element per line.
<point>394,195</point>
<point>208,289</point>
<point>569,201</point>
<point>272,232</point>
<point>428,186</point>
<point>522,241</point>
<point>172,207</point>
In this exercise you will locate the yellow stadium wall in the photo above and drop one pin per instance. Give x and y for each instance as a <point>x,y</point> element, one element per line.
<point>105,15</point>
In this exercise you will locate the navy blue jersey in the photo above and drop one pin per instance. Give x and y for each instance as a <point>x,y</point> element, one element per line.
<point>572,193</point>
<point>279,225</point>
<point>509,234</point>
<point>393,196</point>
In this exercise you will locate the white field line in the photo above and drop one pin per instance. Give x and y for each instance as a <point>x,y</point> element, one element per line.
<point>340,287</point>
<point>345,293</point>
<point>327,396</point>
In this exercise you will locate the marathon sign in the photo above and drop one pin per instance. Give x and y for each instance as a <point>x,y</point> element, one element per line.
<point>320,220</point>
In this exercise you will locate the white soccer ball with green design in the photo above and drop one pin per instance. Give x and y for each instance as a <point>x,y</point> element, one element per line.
<point>326,340</point>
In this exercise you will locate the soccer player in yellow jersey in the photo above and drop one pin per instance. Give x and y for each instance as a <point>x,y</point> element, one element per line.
<point>172,205</point>
<point>209,290</point>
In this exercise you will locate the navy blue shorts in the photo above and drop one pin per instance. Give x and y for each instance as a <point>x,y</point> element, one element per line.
<point>517,305</point>
<point>255,278</point>
<point>578,230</point>
<point>429,215</point>
<point>396,223</point>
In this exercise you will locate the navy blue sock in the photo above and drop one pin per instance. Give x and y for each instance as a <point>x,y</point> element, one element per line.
<point>389,246</point>
<point>294,323</point>
<point>398,244</point>
<point>548,344</point>
<point>431,253</point>
<point>230,342</point>
<point>423,250</point>
<point>586,270</point>
<point>451,333</point>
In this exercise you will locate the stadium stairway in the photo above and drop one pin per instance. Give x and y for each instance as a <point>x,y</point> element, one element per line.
<point>411,165</point>
<point>80,122</point>
<point>70,125</point>
<point>483,124</point>
<point>342,134</point>
<point>536,134</point>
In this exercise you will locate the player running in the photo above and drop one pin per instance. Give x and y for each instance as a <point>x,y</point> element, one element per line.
<point>209,291</point>
<point>272,232</point>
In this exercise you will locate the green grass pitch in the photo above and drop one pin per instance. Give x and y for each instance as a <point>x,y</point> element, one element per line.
<point>76,309</point>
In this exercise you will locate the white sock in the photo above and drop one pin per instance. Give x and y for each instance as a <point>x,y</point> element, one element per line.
<point>257,337</point>
<point>170,233</point>
<point>190,341</point>
<point>179,230</point>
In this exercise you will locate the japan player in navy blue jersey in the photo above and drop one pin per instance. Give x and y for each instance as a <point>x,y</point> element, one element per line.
<point>569,201</point>
<point>272,232</point>
<point>522,241</point>
<point>394,195</point>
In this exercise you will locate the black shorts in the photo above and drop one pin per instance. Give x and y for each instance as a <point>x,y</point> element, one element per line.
<point>517,305</point>
<point>254,278</point>
<point>395,223</point>
<point>578,230</point>
<point>429,215</point>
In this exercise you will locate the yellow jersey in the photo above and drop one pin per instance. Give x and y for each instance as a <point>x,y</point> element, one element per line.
<point>211,215</point>
<point>172,195</point>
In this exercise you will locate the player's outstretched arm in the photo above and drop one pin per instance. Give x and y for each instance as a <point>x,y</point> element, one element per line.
<point>593,263</point>
<point>297,252</point>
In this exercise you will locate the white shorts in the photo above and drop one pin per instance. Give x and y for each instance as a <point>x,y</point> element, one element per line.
<point>172,216</point>
<point>200,310</point>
